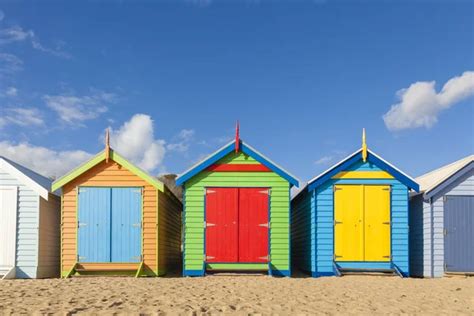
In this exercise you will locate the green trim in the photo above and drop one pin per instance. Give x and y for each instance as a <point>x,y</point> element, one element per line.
<point>237,266</point>
<point>99,158</point>
<point>140,269</point>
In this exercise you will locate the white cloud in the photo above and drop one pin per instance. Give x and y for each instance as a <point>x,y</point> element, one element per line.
<point>45,161</point>
<point>11,92</point>
<point>181,141</point>
<point>324,160</point>
<point>135,140</point>
<point>9,63</point>
<point>22,116</point>
<point>420,104</point>
<point>76,109</point>
<point>18,34</point>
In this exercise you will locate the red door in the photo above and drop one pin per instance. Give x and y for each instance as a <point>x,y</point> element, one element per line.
<point>253,225</point>
<point>237,225</point>
<point>222,216</point>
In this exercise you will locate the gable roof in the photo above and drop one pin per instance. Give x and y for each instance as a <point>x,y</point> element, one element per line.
<point>433,179</point>
<point>227,149</point>
<point>371,157</point>
<point>28,177</point>
<point>98,159</point>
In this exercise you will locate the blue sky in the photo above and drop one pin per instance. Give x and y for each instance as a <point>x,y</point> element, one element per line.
<point>303,78</point>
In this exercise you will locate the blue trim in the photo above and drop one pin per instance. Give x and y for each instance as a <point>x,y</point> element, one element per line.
<point>227,150</point>
<point>193,273</point>
<point>269,164</point>
<point>371,158</point>
<point>269,239</point>
<point>394,172</point>
<point>183,220</point>
<point>206,163</point>
<point>364,265</point>
<point>321,274</point>
<point>281,273</point>
<point>328,175</point>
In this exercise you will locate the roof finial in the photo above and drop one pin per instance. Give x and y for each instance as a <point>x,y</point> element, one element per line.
<point>364,146</point>
<point>237,137</point>
<point>107,145</point>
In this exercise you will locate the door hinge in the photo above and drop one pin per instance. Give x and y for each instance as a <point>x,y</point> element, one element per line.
<point>445,267</point>
<point>337,222</point>
<point>210,191</point>
<point>206,224</point>
<point>264,225</point>
<point>336,256</point>
<point>335,188</point>
<point>137,225</point>
<point>208,257</point>
<point>139,258</point>
<point>267,192</point>
<point>389,257</point>
<point>79,224</point>
<point>386,223</point>
<point>388,189</point>
<point>445,231</point>
<point>138,191</point>
<point>79,258</point>
<point>445,198</point>
<point>265,258</point>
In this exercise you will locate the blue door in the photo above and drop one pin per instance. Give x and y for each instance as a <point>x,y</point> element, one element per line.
<point>94,225</point>
<point>109,224</point>
<point>459,233</point>
<point>126,224</point>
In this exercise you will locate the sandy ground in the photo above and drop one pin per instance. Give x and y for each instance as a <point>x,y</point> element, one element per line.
<point>240,294</point>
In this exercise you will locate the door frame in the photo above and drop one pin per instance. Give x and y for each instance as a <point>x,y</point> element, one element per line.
<point>142,188</point>
<point>269,220</point>
<point>15,231</point>
<point>334,228</point>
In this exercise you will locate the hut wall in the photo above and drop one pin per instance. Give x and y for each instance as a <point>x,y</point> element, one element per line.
<point>49,237</point>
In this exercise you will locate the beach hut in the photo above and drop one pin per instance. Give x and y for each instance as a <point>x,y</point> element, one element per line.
<point>117,219</point>
<point>442,221</point>
<point>236,213</point>
<point>353,217</point>
<point>29,223</point>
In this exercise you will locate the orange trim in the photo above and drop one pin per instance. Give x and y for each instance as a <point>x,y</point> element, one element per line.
<point>238,168</point>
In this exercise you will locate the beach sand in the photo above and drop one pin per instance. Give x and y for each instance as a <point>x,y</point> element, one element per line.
<point>240,294</point>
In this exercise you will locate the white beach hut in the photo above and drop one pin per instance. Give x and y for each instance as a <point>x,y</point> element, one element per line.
<point>29,223</point>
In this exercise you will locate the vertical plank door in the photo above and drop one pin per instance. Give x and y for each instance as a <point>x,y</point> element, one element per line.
<point>377,223</point>
<point>126,225</point>
<point>348,223</point>
<point>253,225</point>
<point>222,225</point>
<point>94,224</point>
<point>8,220</point>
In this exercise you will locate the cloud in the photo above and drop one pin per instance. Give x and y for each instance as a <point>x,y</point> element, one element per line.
<point>135,140</point>
<point>420,104</point>
<point>2,15</point>
<point>181,141</point>
<point>22,116</point>
<point>9,63</point>
<point>45,161</point>
<point>74,110</point>
<point>11,92</point>
<point>324,160</point>
<point>18,34</point>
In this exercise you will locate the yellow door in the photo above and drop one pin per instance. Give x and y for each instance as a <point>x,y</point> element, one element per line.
<point>377,222</point>
<point>348,224</point>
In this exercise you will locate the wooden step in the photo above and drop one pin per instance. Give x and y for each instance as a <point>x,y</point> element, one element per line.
<point>106,267</point>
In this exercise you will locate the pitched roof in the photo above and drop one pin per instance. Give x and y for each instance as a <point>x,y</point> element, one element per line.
<point>371,157</point>
<point>28,177</point>
<point>227,149</point>
<point>98,159</point>
<point>431,180</point>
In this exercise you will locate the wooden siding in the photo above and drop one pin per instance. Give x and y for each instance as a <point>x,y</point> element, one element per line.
<point>49,237</point>
<point>279,214</point>
<point>108,174</point>
<point>303,231</point>
<point>431,240</point>
<point>169,231</point>
<point>27,227</point>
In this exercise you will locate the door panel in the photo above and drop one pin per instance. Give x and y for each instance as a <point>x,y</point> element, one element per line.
<point>222,225</point>
<point>8,221</point>
<point>126,224</point>
<point>348,223</point>
<point>459,229</point>
<point>94,224</point>
<point>377,222</point>
<point>253,225</point>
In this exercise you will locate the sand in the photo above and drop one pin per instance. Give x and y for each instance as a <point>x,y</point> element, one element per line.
<point>238,294</point>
